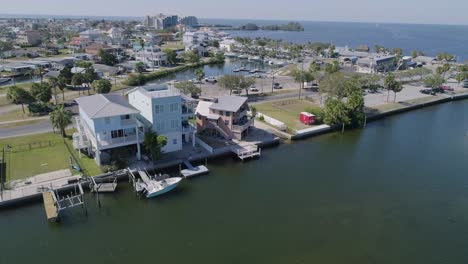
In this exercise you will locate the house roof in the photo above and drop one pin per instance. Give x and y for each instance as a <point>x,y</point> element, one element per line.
<point>229,103</point>
<point>105,105</point>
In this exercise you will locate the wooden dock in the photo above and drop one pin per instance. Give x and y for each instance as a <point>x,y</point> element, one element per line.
<point>50,205</point>
<point>103,187</point>
<point>247,151</point>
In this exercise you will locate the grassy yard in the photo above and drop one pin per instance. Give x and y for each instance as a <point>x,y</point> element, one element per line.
<point>174,45</point>
<point>16,115</point>
<point>41,153</point>
<point>287,111</point>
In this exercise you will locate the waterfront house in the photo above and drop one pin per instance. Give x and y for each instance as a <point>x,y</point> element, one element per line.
<point>107,122</point>
<point>166,111</point>
<point>151,56</point>
<point>225,116</point>
<point>91,34</point>
<point>197,37</point>
<point>29,37</point>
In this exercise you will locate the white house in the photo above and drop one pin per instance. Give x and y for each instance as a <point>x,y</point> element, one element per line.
<point>107,122</point>
<point>115,33</point>
<point>197,37</point>
<point>165,111</point>
<point>151,57</point>
<point>91,34</point>
<point>227,44</point>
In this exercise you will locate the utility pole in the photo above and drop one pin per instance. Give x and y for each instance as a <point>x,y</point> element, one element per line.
<point>273,83</point>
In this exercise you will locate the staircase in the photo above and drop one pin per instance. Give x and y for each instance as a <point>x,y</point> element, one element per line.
<point>80,140</point>
<point>215,125</point>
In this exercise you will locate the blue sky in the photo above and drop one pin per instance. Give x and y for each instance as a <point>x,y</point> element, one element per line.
<point>397,11</point>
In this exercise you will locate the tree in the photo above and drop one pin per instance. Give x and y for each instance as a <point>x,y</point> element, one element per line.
<point>390,84</point>
<point>331,51</point>
<point>66,75</point>
<point>77,80</point>
<point>60,119</point>
<point>191,56</point>
<point>102,86</point>
<point>62,84</point>
<point>332,85</point>
<point>397,52</point>
<point>199,75</point>
<point>398,87</point>
<point>39,71</point>
<point>443,69</point>
<point>301,76</point>
<point>434,81</point>
<point>53,83</point>
<point>445,57</point>
<point>314,67</point>
<point>171,56</point>
<point>336,112</point>
<point>19,95</point>
<point>461,76</point>
<point>107,57</point>
<point>215,43</point>
<point>153,144</point>
<point>41,92</point>
<point>188,88</point>
<point>332,67</point>
<point>140,67</point>
<point>355,106</point>
<point>236,82</point>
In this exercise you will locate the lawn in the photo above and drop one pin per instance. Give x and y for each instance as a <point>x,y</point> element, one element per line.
<point>174,45</point>
<point>16,115</point>
<point>41,153</point>
<point>287,111</point>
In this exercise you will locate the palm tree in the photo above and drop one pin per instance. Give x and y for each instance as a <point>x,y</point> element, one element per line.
<point>39,72</point>
<point>60,119</point>
<point>199,75</point>
<point>62,84</point>
<point>53,82</point>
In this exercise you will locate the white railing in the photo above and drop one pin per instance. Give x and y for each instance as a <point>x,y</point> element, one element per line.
<point>108,141</point>
<point>128,122</point>
<point>204,145</point>
<point>240,128</point>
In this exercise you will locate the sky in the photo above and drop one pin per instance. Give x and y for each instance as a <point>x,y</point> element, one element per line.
<point>394,11</point>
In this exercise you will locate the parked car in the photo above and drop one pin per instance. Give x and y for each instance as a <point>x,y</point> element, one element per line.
<point>236,91</point>
<point>277,86</point>
<point>253,89</point>
<point>211,80</point>
<point>427,91</point>
<point>446,88</point>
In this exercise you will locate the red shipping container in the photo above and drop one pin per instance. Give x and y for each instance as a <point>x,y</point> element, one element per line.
<point>307,118</point>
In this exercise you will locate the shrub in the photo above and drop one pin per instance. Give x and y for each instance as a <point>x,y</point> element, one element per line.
<point>39,108</point>
<point>319,114</point>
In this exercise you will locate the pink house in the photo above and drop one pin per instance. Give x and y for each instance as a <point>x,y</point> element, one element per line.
<point>225,116</point>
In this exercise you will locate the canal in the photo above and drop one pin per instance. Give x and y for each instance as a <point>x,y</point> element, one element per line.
<point>395,192</point>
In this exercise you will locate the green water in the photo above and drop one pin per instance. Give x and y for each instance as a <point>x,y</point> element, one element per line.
<point>396,192</point>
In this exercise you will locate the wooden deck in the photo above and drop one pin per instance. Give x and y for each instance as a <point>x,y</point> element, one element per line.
<point>192,171</point>
<point>50,206</point>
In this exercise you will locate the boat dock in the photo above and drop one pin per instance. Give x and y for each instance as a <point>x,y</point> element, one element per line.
<point>54,204</point>
<point>192,171</point>
<point>247,151</point>
<point>103,187</point>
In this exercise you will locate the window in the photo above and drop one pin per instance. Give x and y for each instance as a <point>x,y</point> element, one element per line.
<point>107,120</point>
<point>221,113</point>
<point>174,141</point>
<point>228,113</point>
<point>174,107</point>
<point>125,117</point>
<point>226,122</point>
<point>159,109</point>
<point>175,123</point>
<point>117,133</point>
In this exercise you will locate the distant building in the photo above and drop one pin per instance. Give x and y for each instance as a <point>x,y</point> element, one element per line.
<point>161,21</point>
<point>225,116</point>
<point>151,56</point>
<point>189,21</point>
<point>377,64</point>
<point>196,37</point>
<point>29,37</point>
<point>115,33</point>
<point>91,34</point>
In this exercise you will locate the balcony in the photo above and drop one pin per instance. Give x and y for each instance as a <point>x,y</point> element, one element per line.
<point>242,126</point>
<point>128,122</point>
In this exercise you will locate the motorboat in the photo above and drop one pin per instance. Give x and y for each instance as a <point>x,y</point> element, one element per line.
<point>156,188</point>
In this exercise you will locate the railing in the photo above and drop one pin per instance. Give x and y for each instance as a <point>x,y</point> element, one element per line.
<point>120,140</point>
<point>128,122</point>
<point>240,128</point>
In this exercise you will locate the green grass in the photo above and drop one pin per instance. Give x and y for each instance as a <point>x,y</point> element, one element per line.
<point>287,111</point>
<point>174,45</point>
<point>41,153</point>
<point>16,115</point>
<point>4,101</point>
<point>17,124</point>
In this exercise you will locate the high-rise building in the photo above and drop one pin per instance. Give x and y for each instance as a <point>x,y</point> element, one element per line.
<point>189,21</point>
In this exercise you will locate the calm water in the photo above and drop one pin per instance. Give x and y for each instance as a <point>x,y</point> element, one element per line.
<point>396,192</point>
<point>431,39</point>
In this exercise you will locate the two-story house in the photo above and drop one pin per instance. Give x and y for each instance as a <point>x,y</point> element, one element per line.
<point>225,116</point>
<point>166,112</point>
<point>106,122</point>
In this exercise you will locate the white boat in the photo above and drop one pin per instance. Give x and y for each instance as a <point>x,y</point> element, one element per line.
<point>4,80</point>
<point>230,55</point>
<point>153,188</point>
<point>243,56</point>
<point>160,187</point>
<point>255,58</point>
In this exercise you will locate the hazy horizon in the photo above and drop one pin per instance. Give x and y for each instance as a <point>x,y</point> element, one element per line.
<point>452,12</point>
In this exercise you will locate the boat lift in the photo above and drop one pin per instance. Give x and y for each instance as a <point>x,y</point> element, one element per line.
<point>54,204</point>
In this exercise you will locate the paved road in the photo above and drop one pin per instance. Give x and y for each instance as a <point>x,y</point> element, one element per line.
<point>41,126</point>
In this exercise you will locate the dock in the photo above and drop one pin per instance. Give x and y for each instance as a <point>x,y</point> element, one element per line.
<point>50,205</point>
<point>247,151</point>
<point>192,171</point>
<point>100,187</point>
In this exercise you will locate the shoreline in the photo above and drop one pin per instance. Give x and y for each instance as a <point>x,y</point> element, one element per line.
<point>224,152</point>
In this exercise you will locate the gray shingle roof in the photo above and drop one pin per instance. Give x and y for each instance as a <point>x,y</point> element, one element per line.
<point>229,103</point>
<point>105,105</point>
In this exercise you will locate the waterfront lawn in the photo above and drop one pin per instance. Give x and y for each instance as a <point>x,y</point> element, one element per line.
<point>41,153</point>
<point>16,115</point>
<point>287,111</point>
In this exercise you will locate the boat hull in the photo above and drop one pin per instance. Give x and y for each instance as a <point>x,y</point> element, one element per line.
<point>168,188</point>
